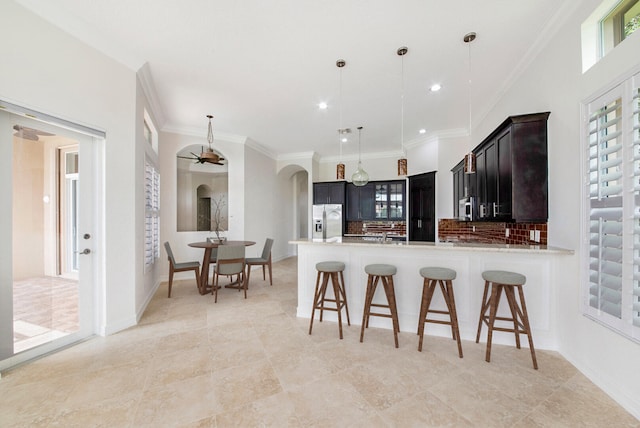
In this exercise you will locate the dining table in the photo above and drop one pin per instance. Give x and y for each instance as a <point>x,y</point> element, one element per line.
<point>203,286</point>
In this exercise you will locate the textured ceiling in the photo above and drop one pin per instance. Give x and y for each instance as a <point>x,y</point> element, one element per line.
<point>261,67</point>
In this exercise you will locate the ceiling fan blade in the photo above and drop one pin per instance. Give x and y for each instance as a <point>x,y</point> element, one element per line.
<point>185,157</point>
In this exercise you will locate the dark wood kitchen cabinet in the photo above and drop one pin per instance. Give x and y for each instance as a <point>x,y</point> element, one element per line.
<point>463,186</point>
<point>361,202</point>
<point>376,200</point>
<point>329,192</point>
<point>422,207</point>
<point>389,200</point>
<point>511,181</point>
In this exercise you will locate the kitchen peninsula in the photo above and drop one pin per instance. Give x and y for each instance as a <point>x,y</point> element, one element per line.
<point>542,265</point>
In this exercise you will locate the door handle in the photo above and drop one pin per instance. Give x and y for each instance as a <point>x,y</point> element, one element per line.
<point>86,251</point>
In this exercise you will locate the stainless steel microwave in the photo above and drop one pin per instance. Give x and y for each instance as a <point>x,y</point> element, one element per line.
<point>465,208</point>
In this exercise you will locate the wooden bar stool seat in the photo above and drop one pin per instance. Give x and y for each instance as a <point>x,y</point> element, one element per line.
<point>330,269</point>
<point>438,276</point>
<point>497,281</point>
<point>377,272</point>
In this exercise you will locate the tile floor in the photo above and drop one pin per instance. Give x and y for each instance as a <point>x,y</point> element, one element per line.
<point>44,308</point>
<point>193,363</point>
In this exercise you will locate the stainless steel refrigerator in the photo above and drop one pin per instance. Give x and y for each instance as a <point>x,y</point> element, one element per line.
<point>327,221</point>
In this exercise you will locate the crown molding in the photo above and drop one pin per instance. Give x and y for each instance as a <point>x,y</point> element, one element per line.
<point>149,89</point>
<point>298,156</point>
<point>260,148</point>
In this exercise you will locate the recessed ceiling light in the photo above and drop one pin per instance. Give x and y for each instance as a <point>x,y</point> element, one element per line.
<point>322,106</point>
<point>423,131</point>
<point>436,87</point>
<point>344,139</point>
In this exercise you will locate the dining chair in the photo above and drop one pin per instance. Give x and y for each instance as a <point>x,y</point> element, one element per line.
<point>214,255</point>
<point>180,267</point>
<point>264,260</point>
<point>230,262</point>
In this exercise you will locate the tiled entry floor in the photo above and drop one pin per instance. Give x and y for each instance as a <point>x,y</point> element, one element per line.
<point>44,308</point>
<point>249,363</point>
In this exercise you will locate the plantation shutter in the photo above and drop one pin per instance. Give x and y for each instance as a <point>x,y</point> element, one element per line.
<point>605,208</point>
<point>636,209</point>
<point>152,215</point>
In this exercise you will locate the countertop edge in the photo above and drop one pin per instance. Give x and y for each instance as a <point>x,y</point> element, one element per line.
<point>443,246</point>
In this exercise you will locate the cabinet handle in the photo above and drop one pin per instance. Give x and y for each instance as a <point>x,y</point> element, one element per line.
<point>495,209</point>
<point>483,210</point>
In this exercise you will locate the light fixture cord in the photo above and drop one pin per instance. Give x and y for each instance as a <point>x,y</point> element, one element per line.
<point>210,135</point>
<point>402,107</point>
<point>340,111</point>
<point>359,132</point>
<point>469,97</point>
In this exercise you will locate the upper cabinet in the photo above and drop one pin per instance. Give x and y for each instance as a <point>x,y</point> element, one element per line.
<point>361,202</point>
<point>376,200</point>
<point>389,203</point>
<point>510,183</point>
<point>329,192</point>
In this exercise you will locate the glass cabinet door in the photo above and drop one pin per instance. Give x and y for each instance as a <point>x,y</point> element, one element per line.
<point>396,196</point>
<point>382,202</point>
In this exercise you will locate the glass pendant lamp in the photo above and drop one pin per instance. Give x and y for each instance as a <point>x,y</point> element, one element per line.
<point>360,177</point>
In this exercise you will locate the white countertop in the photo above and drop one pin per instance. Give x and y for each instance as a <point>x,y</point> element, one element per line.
<point>457,246</point>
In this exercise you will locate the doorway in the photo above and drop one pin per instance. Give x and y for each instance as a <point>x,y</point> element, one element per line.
<point>422,207</point>
<point>48,209</point>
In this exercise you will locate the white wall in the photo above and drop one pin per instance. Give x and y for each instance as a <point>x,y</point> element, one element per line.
<point>149,280</point>
<point>47,70</point>
<point>553,82</point>
<point>263,202</point>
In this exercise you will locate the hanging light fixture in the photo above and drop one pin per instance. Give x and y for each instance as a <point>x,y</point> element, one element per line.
<point>207,155</point>
<point>469,158</point>
<point>340,167</point>
<point>360,177</point>
<point>402,162</point>
<point>341,139</point>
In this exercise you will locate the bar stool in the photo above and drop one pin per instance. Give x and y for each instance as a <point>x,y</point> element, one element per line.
<point>330,269</point>
<point>507,281</point>
<point>376,272</point>
<point>444,277</point>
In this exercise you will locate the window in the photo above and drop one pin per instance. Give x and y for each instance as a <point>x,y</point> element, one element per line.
<point>623,20</point>
<point>612,262</point>
<point>152,215</point>
<point>609,24</point>
<point>149,131</point>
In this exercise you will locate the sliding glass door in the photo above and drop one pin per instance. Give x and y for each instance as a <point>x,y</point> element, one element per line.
<point>47,203</point>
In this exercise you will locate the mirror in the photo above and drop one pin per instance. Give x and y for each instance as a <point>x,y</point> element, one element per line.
<point>200,187</point>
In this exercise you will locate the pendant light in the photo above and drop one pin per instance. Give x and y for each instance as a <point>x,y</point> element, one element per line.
<point>340,167</point>
<point>360,177</point>
<point>469,158</point>
<point>402,162</point>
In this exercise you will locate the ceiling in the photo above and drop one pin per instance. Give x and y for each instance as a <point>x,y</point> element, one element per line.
<point>262,67</point>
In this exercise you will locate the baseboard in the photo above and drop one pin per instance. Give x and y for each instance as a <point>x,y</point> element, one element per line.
<point>143,307</point>
<point>628,400</point>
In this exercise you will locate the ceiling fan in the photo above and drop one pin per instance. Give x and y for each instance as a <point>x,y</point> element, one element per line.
<point>29,133</point>
<point>206,155</point>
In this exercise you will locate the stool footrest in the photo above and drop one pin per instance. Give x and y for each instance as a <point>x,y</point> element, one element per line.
<point>438,321</point>
<point>381,315</point>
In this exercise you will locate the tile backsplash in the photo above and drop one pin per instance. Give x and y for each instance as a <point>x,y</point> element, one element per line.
<point>452,230</point>
<point>376,227</point>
